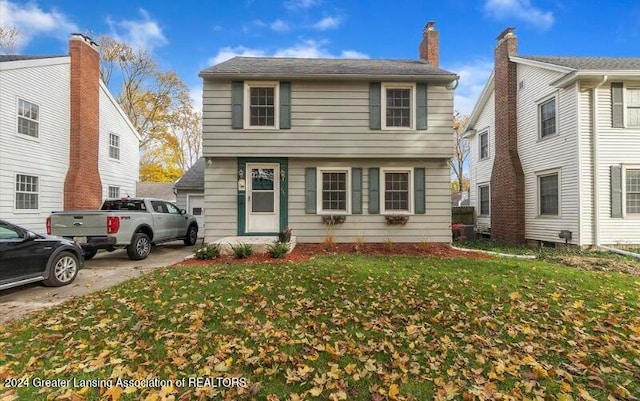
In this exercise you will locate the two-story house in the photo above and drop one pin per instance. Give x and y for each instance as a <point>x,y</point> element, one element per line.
<point>555,149</point>
<point>64,141</point>
<point>292,142</point>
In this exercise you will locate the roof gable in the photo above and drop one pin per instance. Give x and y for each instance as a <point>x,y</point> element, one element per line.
<point>194,177</point>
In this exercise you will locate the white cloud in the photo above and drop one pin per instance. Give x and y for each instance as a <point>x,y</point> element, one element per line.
<point>228,52</point>
<point>353,54</point>
<point>521,10</point>
<point>32,21</point>
<point>279,26</point>
<point>143,33</point>
<point>195,93</point>
<point>301,4</point>
<point>328,23</point>
<point>473,77</point>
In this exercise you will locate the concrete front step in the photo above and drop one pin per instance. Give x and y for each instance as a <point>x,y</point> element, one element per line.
<point>258,243</point>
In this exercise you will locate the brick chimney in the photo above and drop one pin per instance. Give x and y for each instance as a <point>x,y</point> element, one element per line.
<point>430,45</point>
<point>507,177</point>
<point>82,185</point>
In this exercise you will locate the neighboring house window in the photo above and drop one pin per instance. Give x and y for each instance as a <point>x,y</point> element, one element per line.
<point>334,191</point>
<point>483,195</point>
<point>28,117</point>
<point>547,117</point>
<point>632,191</point>
<point>114,146</point>
<point>261,105</point>
<point>548,189</point>
<point>26,192</point>
<point>398,106</point>
<point>484,145</point>
<point>114,192</point>
<point>398,191</point>
<point>633,107</point>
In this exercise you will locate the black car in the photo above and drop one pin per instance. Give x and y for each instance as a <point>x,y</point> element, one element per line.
<point>27,257</point>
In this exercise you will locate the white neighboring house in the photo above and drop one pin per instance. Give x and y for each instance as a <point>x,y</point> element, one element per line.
<point>578,144</point>
<point>46,102</point>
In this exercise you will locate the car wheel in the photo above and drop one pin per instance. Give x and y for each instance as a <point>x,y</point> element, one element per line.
<point>192,236</point>
<point>64,270</point>
<point>89,253</point>
<point>140,247</point>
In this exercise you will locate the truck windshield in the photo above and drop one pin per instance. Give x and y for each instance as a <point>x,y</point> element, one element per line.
<point>123,204</point>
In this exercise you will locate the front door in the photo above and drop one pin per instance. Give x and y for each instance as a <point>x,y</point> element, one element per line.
<point>263,197</point>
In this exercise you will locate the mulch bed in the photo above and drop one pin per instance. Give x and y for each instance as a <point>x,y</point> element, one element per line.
<point>306,251</point>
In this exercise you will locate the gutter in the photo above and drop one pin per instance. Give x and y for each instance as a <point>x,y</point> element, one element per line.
<point>594,157</point>
<point>620,251</point>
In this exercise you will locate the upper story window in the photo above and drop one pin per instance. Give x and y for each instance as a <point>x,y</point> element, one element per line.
<point>398,103</point>
<point>633,107</point>
<point>28,118</point>
<point>114,146</point>
<point>547,117</point>
<point>397,191</point>
<point>334,191</point>
<point>632,191</point>
<point>484,144</point>
<point>26,192</point>
<point>261,105</point>
<point>549,193</point>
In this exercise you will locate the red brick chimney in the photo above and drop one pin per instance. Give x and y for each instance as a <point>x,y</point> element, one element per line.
<point>507,178</point>
<point>82,185</point>
<point>430,45</point>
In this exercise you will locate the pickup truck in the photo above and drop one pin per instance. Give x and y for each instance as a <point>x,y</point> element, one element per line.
<point>132,223</point>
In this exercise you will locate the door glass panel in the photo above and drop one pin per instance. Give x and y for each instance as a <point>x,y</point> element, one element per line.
<point>262,179</point>
<point>262,202</point>
<point>196,211</point>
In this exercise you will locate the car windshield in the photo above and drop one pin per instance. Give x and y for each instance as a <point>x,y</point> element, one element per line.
<point>123,204</point>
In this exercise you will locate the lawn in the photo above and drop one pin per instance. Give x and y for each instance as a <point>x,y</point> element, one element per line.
<point>338,327</point>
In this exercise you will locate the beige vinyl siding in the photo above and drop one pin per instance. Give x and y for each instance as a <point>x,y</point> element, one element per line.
<point>220,199</point>
<point>557,152</point>
<point>181,198</point>
<point>480,170</point>
<point>327,119</point>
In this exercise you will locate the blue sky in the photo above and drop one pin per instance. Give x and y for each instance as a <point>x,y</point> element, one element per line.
<point>188,36</point>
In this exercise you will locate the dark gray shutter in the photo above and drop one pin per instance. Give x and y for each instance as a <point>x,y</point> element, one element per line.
<point>356,190</point>
<point>617,105</point>
<point>616,191</point>
<point>374,192</point>
<point>421,106</point>
<point>237,95</point>
<point>375,98</point>
<point>310,190</point>
<point>285,105</point>
<point>419,191</point>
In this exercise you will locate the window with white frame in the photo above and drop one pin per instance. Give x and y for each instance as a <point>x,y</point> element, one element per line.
<point>397,191</point>
<point>114,192</point>
<point>334,191</point>
<point>483,200</point>
<point>261,105</point>
<point>398,106</point>
<point>28,118</point>
<point>484,145</point>
<point>632,191</point>
<point>548,190</point>
<point>26,192</point>
<point>547,117</point>
<point>633,107</point>
<point>114,146</point>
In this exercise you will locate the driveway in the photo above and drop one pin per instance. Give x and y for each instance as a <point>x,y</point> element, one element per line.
<point>105,270</point>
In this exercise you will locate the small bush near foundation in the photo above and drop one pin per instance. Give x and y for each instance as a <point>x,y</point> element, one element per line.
<point>242,250</point>
<point>278,250</point>
<point>206,252</point>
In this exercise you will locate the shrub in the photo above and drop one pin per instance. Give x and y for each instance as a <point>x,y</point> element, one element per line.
<point>242,250</point>
<point>278,250</point>
<point>206,252</point>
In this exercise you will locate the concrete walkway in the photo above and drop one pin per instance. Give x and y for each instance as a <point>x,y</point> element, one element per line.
<point>103,271</point>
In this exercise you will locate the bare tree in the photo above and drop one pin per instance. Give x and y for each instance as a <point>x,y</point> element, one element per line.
<point>460,150</point>
<point>9,40</point>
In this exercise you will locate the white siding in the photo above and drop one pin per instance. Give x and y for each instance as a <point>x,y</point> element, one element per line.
<point>47,157</point>
<point>586,167</point>
<point>327,119</point>
<point>220,199</point>
<point>123,173</point>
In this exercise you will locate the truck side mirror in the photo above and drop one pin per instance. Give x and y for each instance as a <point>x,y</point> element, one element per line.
<point>182,211</point>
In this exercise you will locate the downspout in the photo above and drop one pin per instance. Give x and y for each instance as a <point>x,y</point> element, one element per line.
<point>594,156</point>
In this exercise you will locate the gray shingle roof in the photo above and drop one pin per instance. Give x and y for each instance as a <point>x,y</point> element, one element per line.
<point>279,66</point>
<point>194,178</point>
<point>590,63</point>
<point>20,57</point>
<point>158,190</point>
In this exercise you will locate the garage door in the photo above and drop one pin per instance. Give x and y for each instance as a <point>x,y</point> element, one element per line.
<point>196,208</point>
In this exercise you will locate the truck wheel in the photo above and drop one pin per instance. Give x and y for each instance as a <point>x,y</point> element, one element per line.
<point>64,270</point>
<point>140,247</point>
<point>89,253</point>
<point>192,236</point>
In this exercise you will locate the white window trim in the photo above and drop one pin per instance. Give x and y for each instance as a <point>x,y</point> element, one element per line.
<point>626,167</point>
<point>382,190</point>
<point>539,104</point>
<point>482,185</point>
<point>109,187</point>
<point>484,132</point>
<point>25,136</point>
<point>546,173</point>
<point>119,147</point>
<point>625,118</point>
<point>319,172</point>
<point>383,101</point>
<point>26,211</point>
<point>247,103</point>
